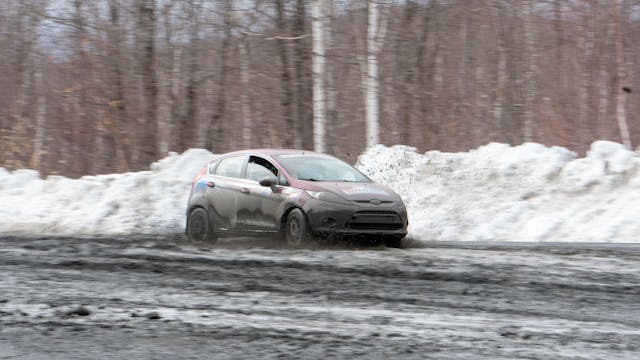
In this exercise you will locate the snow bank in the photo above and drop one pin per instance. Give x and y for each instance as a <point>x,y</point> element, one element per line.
<point>143,202</point>
<point>494,193</point>
<point>523,193</point>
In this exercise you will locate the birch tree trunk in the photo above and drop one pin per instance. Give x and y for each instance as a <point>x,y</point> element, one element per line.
<point>604,77</point>
<point>375,36</point>
<point>244,100</point>
<point>331,112</point>
<point>586,48</point>
<point>40,115</point>
<point>501,68</point>
<point>303,92</point>
<point>531,73</point>
<point>622,88</point>
<point>319,104</point>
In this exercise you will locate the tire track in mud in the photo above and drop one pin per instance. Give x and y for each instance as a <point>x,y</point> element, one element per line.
<point>443,301</point>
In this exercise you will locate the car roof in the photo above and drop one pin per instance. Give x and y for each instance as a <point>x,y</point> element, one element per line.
<point>274,152</point>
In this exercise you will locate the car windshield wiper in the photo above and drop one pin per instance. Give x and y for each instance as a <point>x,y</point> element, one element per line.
<point>309,179</point>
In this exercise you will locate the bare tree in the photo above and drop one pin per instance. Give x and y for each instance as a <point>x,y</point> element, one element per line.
<point>188,123</point>
<point>148,144</point>
<point>319,104</point>
<point>622,86</point>
<point>117,110</point>
<point>376,29</point>
<point>118,83</point>
<point>531,70</point>
<point>216,131</point>
<point>40,119</point>
<point>285,71</point>
<point>244,79</point>
<point>303,92</point>
<point>501,66</point>
<point>25,25</point>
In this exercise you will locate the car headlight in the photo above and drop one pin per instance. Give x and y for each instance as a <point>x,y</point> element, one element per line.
<point>328,197</point>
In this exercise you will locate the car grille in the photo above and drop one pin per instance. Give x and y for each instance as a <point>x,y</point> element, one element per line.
<point>374,220</point>
<point>369,201</point>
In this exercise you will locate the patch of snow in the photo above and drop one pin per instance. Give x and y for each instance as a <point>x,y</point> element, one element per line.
<point>145,202</point>
<point>528,193</point>
<point>496,192</point>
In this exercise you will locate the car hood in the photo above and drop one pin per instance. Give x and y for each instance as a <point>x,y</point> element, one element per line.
<point>359,191</point>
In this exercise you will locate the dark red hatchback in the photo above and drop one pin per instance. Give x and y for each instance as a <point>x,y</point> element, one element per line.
<point>301,195</point>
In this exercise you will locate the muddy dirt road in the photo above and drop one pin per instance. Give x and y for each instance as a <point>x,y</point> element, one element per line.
<point>162,298</point>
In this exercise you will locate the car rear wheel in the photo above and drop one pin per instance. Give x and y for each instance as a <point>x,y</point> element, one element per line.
<point>199,227</point>
<point>297,228</point>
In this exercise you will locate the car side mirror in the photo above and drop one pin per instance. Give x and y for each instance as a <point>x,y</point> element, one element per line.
<point>269,181</point>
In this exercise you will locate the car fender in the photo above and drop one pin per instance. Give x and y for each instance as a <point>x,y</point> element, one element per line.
<point>296,198</point>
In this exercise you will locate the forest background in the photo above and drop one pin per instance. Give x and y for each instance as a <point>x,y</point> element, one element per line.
<point>101,86</point>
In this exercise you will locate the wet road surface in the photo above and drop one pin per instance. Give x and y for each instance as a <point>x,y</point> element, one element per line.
<point>163,298</point>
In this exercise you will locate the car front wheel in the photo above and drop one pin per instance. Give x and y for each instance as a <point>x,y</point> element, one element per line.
<point>199,227</point>
<point>297,228</point>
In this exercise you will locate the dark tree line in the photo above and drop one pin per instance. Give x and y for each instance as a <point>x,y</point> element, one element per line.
<point>96,86</point>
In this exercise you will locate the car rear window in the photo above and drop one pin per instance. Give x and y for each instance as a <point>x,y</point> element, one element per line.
<point>231,167</point>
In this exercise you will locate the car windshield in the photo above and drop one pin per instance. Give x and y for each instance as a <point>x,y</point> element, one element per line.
<point>320,168</point>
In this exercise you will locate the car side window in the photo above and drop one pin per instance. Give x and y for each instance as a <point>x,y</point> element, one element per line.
<point>259,168</point>
<point>212,167</point>
<point>231,167</point>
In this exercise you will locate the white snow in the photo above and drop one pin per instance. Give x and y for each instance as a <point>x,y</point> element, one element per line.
<point>497,192</point>
<point>131,203</point>
<point>529,192</point>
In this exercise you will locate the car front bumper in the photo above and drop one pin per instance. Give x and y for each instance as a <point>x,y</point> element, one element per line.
<point>358,219</point>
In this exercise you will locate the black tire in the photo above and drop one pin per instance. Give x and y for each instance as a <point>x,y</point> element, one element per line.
<point>296,229</point>
<point>199,227</point>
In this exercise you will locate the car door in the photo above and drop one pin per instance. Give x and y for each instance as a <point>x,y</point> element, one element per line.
<point>224,188</point>
<point>258,205</point>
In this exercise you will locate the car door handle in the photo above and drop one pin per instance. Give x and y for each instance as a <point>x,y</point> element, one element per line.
<point>244,190</point>
<point>211,184</point>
